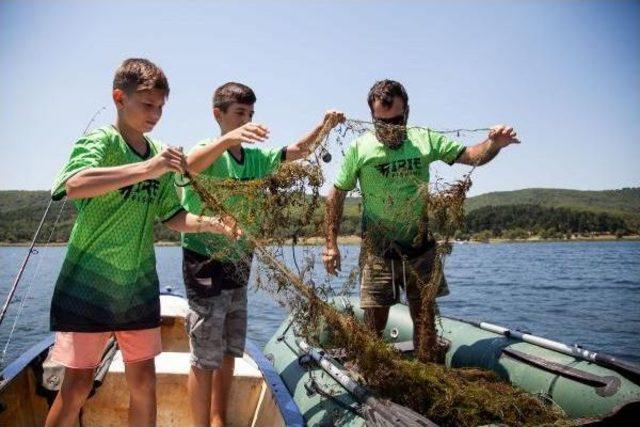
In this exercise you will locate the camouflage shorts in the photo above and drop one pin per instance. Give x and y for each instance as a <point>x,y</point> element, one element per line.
<point>217,326</point>
<point>381,279</point>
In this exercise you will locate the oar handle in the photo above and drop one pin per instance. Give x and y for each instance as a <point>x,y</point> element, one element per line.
<point>345,380</point>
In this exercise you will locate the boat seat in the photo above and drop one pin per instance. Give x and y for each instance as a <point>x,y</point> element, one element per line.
<point>109,406</point>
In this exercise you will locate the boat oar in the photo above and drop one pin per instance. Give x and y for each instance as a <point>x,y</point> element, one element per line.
<point>607,360</point>
<point>377,413</point>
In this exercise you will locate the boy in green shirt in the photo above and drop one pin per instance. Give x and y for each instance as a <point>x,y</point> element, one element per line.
<point>216,270</point>
<point>391,164</point>
<point>121,182</point>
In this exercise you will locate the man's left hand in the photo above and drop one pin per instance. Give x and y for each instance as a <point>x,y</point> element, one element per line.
<point>503,135</point>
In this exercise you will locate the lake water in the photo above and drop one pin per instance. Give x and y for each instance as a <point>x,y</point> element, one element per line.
<point>575,292</point>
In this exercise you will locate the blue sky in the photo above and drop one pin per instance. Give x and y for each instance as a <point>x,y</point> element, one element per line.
<point>565,74</point>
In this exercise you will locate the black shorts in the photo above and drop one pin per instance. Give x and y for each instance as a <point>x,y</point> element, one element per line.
<point>206,277</point>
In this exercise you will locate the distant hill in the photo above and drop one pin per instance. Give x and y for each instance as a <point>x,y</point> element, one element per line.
<point>15,200</point>
<point>541,220</point>
<point>624,201</point>
<point>20,212</point>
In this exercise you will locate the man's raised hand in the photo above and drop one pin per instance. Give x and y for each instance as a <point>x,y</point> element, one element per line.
<point>331,260</point>
<point>503,135</point>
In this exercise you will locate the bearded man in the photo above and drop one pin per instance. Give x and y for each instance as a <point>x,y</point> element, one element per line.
<point>391,165</point>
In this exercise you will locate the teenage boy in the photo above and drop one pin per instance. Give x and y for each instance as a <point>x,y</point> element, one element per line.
<point>216,270</point>
<point>121,182</point>
<point>391,164</point>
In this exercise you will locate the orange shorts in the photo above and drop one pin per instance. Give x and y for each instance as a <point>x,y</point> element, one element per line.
<point>83,350</point>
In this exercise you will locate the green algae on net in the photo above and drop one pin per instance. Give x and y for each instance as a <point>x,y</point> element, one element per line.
<point>287,205</point>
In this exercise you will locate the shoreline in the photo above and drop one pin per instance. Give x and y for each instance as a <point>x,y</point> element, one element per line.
<point>356,240</point>
<point>634,238</point>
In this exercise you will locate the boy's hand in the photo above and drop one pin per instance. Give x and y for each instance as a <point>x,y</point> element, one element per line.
<point>250,132</point>
<point>224,225</point>
<point>232,231</point>
<point>170,159</point>
<point>503,135</point>
<point>333,117</point>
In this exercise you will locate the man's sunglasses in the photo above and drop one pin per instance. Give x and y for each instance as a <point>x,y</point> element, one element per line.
<point>397,120</point>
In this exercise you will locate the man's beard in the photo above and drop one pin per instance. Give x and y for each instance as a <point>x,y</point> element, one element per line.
<point>392,136</point>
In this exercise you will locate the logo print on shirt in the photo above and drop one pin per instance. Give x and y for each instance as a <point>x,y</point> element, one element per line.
<point>401,167</point>
<point>144,191</point>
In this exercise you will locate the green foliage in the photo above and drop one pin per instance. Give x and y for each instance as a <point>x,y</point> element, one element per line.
<point>515,234</point>
<point>626,200</point>
<point>504,214</point>
<point>21,212</point>
<point>624,203</point>
<point>482,237</point>
<point>461,235</point>
<point>549,233</point>
<point>546,222</point>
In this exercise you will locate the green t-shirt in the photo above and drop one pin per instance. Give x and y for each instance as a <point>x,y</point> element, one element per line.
<point>390,180</point>
<point>108,280</point>
<point>254,163</point>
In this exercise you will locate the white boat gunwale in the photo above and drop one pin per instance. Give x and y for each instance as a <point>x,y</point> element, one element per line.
<point>13,369</point>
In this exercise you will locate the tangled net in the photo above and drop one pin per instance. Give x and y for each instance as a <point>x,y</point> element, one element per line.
<point>286,207</point>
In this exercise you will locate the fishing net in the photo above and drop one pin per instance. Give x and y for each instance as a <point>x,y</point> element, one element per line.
<point>286,208</point>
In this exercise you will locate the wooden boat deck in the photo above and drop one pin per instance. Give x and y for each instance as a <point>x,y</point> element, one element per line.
<point>252,402</point>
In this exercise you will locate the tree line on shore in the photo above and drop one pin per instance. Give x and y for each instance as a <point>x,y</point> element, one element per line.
<point>507,222</point>
<point>513,222</point>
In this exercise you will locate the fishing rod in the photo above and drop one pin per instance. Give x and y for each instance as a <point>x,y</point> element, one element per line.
<point>32,250</point>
